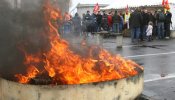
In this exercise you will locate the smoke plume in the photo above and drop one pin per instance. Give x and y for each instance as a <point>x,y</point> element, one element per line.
<point>20,28</point>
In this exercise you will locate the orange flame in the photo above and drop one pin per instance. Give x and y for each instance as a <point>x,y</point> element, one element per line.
<point>64,66</point>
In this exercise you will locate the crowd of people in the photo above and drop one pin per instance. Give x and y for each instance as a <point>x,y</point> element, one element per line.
<point>94,22</point>
<point>144,24</point>
<point>147,25</point>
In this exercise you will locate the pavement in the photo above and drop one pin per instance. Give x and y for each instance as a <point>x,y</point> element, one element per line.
<point>158,59</point>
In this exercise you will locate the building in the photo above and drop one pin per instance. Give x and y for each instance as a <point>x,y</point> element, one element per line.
<point>35,4</point>
<point>82,8</point>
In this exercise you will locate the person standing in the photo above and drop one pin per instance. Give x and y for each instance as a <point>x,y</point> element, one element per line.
<point>83,24</point>
<point>153,20</point>
<point>116,19</point>
<point>126,19</point>
<point>94,23</point>
<point>88,21</point>
<point>135,24</point>
<point>160,24</point>
<point>67,23</point>
<point>145,20</point>
<point>168,21</point>
<point>99,21</point>
<point>110,21</point>
<point>121,25</point>
<point>149,31</point>
<point>105,21</point>
<point>77,24</point>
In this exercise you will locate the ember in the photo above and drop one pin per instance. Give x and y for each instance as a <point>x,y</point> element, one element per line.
<point>63,66</point>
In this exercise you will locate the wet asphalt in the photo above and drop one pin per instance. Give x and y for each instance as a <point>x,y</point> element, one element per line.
<point>158,59</point>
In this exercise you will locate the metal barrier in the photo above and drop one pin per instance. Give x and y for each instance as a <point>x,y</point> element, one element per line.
<point>172,34</point>
<point>119,40</point>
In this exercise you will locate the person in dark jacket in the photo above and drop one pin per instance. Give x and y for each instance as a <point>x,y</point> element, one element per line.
<point>105,21</point>
<point>88,21</point>
<point>121,26</point>
<point>135,24</point>
<point>155,30</point>
<point>94,23</point>
<point>153,20</point>
<point>116,19</point>
<point>99,21</point>
<point>160,24</point>
<point>77,24</point>
<point>145,20</point>
<point>83,24</point>
<point>168,21</point>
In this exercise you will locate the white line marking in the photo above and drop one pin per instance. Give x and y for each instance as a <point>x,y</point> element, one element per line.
<point>160,78</point>
<point>126,46</point>
<point>156,54</point>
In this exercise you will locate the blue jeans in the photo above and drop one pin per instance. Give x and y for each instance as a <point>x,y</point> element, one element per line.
<point>67,27</point>
<point>144,31</point>
<point>115,27</point>
<point>98,27</point>
<point>160,27</point>
<point>121,27</point>
<point>135,33</point>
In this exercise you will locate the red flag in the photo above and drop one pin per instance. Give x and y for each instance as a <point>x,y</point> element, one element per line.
<point>127,10</point>
<point>166,2</point>
<point>167,6</point>
<point>96,8</point>
<point>163,2</point>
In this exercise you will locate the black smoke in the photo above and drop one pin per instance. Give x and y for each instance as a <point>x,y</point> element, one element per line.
<point>20,28</point>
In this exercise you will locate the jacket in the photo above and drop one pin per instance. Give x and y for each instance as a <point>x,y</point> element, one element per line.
<point>135,20</point>
<point>116,18</point>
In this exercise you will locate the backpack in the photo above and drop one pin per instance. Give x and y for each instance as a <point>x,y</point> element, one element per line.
<point>161,17</point>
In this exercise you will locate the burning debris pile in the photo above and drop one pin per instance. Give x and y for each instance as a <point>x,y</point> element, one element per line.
<point>58,64</point>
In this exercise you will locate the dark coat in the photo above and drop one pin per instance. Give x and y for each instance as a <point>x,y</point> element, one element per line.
<point>105,19</point>
<point>76,21</point>
<point>116,18</point>
<point>87,20</point>
<point>135,19</point>
<point>168,18</point>
<point>158,17</point>
<point>99,19</point>
<point>94,18</point>
<point>152,18</point>
<point>87,17</point>
<point>145,18</point>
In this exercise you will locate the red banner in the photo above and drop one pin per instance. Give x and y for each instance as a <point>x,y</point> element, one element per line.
<point>127,10</point>
<point>163,2</point>
<point>96,8</point>
<point>167,6</point>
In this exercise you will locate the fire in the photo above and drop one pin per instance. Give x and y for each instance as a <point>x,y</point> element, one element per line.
<point>66,67</point>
